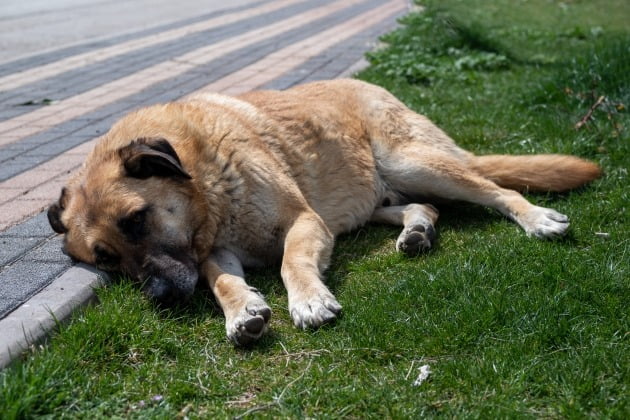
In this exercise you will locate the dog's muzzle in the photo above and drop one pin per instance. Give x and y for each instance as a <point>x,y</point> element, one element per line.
<point>171,279</point>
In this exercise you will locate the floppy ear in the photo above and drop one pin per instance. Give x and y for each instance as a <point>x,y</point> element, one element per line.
<point>54,213</point>
<point>144,158</point>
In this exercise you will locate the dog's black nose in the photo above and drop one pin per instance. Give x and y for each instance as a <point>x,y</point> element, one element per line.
<point>161,291</point>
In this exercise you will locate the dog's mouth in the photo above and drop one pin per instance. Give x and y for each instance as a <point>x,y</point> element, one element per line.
<point>163,292</point>
<point>170,280</point>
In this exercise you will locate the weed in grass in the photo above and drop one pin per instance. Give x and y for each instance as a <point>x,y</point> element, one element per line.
<point>510,326</point>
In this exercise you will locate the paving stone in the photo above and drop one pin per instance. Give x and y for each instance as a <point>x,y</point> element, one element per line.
<point>50,250</point>
<point>7,113</point>
<point>55,147</point>
<point>35,227</point>
<point>19,164</point>
<point>6,306</point>
<point>13,248</point>
<point>23,279</point>
<point>37,139</point>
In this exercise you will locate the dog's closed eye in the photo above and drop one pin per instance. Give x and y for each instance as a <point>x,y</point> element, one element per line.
<point>133,226</point>
<point>105,260</point>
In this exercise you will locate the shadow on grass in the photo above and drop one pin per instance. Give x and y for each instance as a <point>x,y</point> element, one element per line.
<point>201,305</point>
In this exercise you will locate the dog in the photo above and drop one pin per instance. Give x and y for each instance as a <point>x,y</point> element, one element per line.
<point>200,188</point>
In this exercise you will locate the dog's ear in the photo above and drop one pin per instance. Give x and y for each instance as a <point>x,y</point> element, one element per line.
<point>55,211</point>
<point>144,158</point>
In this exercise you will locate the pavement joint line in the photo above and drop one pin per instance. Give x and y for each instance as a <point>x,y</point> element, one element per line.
<point>42,321</point>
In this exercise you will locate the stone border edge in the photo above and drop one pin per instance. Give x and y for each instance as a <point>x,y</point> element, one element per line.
<point>33,321</point>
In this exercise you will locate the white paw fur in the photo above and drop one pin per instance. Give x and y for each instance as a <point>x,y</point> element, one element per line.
<point>545,223</point>
<point>251,322</point>
<point>314,310</point>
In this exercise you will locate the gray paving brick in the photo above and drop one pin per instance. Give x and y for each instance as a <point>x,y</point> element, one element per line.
<point>50,250</point>
<point>9,112</point>
<point>35,227</point>
<point>284,81</point>
<point>36,139</point>
<point>55,147</point>
<point>7,305</point>
<point>94,129</point>
<point>18,165</point>
<point>71,126</point>
<point>13,248</point>
<point>25,278</point>
<point>15,149</point>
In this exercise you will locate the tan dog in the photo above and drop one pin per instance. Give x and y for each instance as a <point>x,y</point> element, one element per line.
<point>203,187</point>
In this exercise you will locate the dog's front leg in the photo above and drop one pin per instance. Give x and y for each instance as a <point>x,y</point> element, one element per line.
<point>307,248</point>
<point>246,312</point>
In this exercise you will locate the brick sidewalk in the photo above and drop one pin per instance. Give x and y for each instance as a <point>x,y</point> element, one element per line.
<point>273,45</point>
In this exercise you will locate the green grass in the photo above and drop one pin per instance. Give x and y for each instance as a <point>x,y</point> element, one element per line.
<point>511,326</point>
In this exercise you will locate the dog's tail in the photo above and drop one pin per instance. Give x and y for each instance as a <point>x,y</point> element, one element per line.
<point>536,172</point>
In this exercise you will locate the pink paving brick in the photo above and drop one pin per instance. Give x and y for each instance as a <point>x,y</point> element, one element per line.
<point>9,194</point>
<point>48,191</point>
<point>82,149</point>
<point>17,210</point>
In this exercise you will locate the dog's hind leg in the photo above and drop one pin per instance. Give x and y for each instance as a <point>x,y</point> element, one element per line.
<point>307,248</point>
<point>415,169</point>
<point>418,222</point>
<point>246,312</point>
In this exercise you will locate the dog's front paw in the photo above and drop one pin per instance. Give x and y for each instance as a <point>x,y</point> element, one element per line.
<point>250,323</point>
<point>545,223</point>
<point>415,239</point>
<point>315,310</point>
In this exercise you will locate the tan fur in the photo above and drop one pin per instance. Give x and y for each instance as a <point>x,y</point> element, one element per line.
<point>555,173</point>
<point>275,176</point>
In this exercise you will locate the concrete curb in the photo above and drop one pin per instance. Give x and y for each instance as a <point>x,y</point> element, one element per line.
<point>33,320</point>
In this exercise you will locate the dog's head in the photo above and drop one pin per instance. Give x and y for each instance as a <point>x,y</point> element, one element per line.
<point>135,209</point>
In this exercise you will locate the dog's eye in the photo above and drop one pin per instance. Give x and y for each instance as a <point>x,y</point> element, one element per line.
<point>134,225</point>
<point>105,260</point>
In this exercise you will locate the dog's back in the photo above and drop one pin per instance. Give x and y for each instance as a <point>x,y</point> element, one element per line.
<point>347,137</point>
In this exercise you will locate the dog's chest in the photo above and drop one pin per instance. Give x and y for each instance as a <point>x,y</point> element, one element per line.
<point>255,241</point>
<point>254,252</point>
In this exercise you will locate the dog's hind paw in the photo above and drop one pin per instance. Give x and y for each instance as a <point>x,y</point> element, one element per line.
<point>415,239</point>
<point>545,223</point>
<point>319,309</point>
<point>249,324</point>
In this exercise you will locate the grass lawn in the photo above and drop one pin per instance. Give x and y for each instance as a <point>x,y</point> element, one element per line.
<point>511,326</point>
